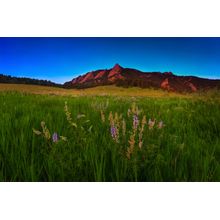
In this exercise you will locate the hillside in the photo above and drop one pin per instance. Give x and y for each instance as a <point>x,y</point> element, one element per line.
<point>127,77</point>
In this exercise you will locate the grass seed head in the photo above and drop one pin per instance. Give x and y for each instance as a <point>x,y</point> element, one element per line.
<point>110,118</point>
<point>46,132</point>
<point>130,149</point>
<point>63,138</point>
<point>68,116</point>
<point>80,116</point>
<point>102,116</point>
<point>151,123</point>
<point>141,130</point>
<point>140,144</point>
<point>36,132</point>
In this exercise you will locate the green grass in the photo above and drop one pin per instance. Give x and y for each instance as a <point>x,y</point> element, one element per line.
<point>186,149</point>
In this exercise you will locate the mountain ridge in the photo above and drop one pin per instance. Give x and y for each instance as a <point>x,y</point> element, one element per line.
<point>128,77</point>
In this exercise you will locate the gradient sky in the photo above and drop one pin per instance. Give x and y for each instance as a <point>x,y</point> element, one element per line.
<point>61,59</point>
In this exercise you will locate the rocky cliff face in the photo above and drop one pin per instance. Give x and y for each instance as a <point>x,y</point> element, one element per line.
<point>128,77</point>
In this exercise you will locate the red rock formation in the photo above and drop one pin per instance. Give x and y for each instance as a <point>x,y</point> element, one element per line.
<point>100,74</point>
<point>165,84</point>
<point>117,69</point>
<point>88,76</point>
<point>77,80</point>
<point>132,77</point>
<point>193,87</point>
<point>115,78</point>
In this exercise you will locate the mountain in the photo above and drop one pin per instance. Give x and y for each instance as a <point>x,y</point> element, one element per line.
<point>128,77</point>
<point>24,80</point>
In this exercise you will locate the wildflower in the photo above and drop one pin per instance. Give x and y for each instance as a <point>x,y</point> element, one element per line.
<point>151,123</point>
<point>42,124</point>
<point>55,137</point>
<point>110,118</point>
<point>161,124</point>
<point>114,126</point>
<point>135,122</point>
<point>144,121</point>
<point>140,144</point>
<point>46,132</point>
<point>114,133</point>
<point>131,146</point>
<point>68,116</point>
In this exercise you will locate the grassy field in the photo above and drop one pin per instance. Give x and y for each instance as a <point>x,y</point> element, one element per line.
<point>100,91</point>
<point>108,134</point>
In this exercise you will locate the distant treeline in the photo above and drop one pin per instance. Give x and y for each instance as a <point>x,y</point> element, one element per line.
<point>24,80</point>
<point>138,82</point>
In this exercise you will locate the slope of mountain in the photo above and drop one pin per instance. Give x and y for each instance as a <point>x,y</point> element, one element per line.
<point>24,80</point>
<point>128,77</point>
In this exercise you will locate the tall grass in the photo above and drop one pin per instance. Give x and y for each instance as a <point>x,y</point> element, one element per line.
<point>187,148</point>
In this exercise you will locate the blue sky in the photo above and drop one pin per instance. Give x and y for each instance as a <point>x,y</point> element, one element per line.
<point>61,59</point>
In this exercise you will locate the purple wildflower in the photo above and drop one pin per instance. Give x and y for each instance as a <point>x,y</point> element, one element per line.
<point>113,132</point>
<point>55,137</point>
<point>135,121</point>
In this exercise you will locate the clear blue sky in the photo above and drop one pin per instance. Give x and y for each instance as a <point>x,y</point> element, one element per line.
<point>61,59</point>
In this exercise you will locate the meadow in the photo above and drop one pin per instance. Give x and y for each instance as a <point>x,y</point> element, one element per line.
<point>108,134</point>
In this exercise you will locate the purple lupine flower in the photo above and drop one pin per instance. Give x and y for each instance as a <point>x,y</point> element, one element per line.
<point>113,132</point>
<point>55,137</point>
<point>135,121</point>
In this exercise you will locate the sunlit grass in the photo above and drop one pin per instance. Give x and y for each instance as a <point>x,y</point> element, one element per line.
<point>100,91</point>
<point>51,137</point>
